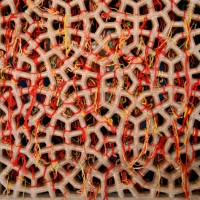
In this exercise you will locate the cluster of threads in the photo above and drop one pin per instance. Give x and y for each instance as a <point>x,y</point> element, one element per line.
<point>99,98</point>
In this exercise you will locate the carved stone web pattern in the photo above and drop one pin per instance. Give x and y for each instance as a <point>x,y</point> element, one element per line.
<point>100,98</point>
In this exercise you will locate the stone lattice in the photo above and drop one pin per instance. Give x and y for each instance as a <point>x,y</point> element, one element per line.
<point>99,98</point>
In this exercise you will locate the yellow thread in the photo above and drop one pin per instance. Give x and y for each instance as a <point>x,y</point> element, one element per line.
<point>42,23</point>
<point>84,180</point>
<point>66,32</point>
<point>55,170</point>
<point>159,177</point>
<point>31,4</point>
<point>155,126</point>
<point>1,75</point>
<point>144,101</point>
<point>187,31</point>
<point>52,11</point>
<point>144,148</point>
<point>110,121</point>
<point>125,114</point>
<point>187,27</point>
<point>25,27</point>
<point>14,45</point>
<point>152,56</point>
<point>37,152</point>
<point>160,74</point>
<point>83,113</point>
<point>8,186</point>
<point>87,129</point>
<point>23,180</point>
<point>187,130</point>
<point>58,101</point>
<point>198,182</point>
<point>140,45</point>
